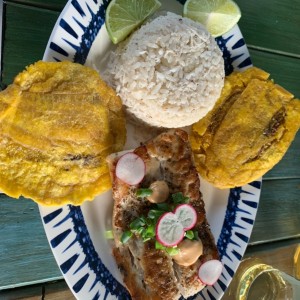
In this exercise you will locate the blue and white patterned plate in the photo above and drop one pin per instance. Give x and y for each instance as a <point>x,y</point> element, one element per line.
<point>76,234</point>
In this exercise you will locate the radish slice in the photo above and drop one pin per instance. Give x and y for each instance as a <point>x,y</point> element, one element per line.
<point>186,215</point>
<point>169,231</point>
<point>210,271</point>
<point>130,168</point>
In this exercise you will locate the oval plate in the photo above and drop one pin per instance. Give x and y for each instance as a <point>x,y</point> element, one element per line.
<point>76,234</point>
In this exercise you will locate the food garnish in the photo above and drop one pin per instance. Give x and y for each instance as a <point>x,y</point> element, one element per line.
<point>170,228</point>
<point>155,224</point>
<point>123,16</point>
<point>218,16</point>
<point>210,271</point>
<point>247,132</point>
<point>109,234</point>
<point>144,192</point>
<point>130,168</point>
<point>58,122</point>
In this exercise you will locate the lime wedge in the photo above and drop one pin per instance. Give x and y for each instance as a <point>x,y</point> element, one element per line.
<point>123,16</point>
<point>218,16</point>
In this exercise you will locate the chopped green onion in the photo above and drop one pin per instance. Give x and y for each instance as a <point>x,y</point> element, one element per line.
<point>109,234</point>
<point>196,235</point>
<point>126,236</point>
<point>159,246</point>
<point>146,239</point>
<point>178,198</point>
<point>143,219</point>
<point>148,233</point>
<point>189,234</point>
<point>163,206</point>
<point>172,250</point>
<point>150,222</point>
<point>155,214</point>
<point>140,230</point>
<point>137,223</point>
<point>141,193</point>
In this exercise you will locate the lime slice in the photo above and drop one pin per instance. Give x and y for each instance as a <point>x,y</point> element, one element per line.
<point>123,16</point>
<point>218,16</point>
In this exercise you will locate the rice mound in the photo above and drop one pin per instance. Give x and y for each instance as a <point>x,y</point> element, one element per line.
<point>169,73</point>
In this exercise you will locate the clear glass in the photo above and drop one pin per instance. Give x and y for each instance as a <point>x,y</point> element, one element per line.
<point>262,281</point>
<point>256,280</point>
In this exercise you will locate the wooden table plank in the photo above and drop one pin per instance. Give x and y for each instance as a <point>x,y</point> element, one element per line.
<point>289,166</point>
<point>25,255</point>
<point>56,5</point>
<point>271,24</point>
<point>278,212</point>
<point>57,290</point>
<point>283,69</point>
<point>25,38</point>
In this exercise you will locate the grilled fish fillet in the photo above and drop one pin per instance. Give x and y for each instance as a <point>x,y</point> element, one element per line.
<point>150,273</point>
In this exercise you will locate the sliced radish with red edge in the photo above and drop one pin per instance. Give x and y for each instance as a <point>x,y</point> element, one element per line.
<point>130,168</point>
<point>186,215</point>
<point>171,227</point>
<point>210,271</point>
<point>169,231</point>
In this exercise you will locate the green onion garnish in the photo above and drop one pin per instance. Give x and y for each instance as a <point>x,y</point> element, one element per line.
<point>108,234</point>
<point>141,193</point>
<point>126,237</point>
<point>178,198</point>
<point>172,250</point>
<point>189,234</point>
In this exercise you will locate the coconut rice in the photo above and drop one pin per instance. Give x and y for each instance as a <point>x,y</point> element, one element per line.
<point>169,73</point>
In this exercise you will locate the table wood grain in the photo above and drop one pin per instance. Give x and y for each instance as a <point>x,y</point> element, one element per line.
<point>271,30</point>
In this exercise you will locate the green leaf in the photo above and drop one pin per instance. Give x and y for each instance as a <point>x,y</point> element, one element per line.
<point>109,234</point>
<point>189,234</point>
<point>159,246</point>
<point>126,236</point>
<point>141,193</point>
<point>172,250</point>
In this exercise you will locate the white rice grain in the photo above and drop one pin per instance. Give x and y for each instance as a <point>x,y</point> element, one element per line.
<point>169,73</point>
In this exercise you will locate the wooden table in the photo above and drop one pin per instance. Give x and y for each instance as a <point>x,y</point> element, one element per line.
<point>272,31</point>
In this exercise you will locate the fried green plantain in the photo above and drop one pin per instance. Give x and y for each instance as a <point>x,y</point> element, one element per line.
<point>247,132</point>
<point>58,123</point>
